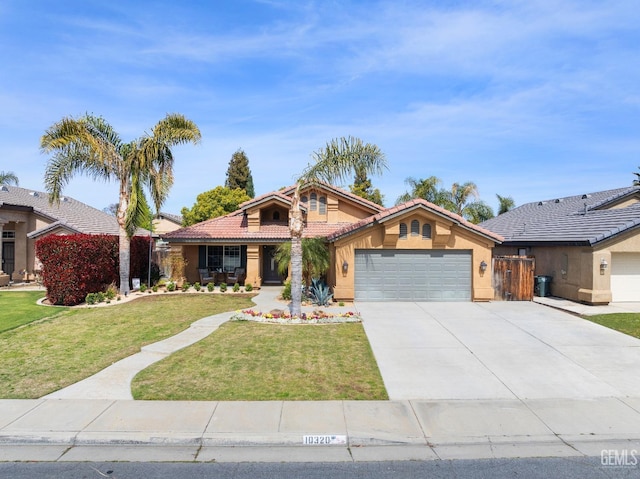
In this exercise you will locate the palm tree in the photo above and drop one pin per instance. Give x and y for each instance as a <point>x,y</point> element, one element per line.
<point>336,162</point>
<point>315,258</point>
<point>8,178</point>
<point>427,189</point>
<point>459,196</point>
<point>506,203</point>
<point>91,146</point>
<point>477,212</point>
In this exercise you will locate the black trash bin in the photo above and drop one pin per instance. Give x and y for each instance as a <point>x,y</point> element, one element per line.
<point>542,285</point>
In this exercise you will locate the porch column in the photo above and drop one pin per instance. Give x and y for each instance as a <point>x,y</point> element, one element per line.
<point>4,278</point>
<point>21,252</point>
<point>253,265</point>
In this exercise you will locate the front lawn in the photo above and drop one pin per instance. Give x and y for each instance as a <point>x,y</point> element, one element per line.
<point>628,323</point>
<point>44,356</point>
<point>245,360</point>
<point>20,307</point>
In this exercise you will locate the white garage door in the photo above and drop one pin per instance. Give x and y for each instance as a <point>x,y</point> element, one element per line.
<point>625,276</point>
<point>410,275</point>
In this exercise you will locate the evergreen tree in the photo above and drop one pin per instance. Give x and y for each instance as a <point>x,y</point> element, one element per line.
<point>239,173</point>
<point>213,203</point>
<point>362,187</point>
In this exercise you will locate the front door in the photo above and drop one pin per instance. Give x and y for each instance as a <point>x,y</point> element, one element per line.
<point>270,273</point>
<point>8,257</point>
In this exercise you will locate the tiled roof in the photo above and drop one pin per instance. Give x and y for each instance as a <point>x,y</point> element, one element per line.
<point>70,213</point>
<point>177,219</point>
<point>264,198</point>
<point>410,206</point>
<point>580,219</point>
<point>233,227</point>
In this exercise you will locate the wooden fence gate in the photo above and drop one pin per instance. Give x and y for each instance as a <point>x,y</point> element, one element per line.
<point>513,277</point>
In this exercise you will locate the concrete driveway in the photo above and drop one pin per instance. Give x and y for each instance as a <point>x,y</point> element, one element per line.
<point>498,350</point>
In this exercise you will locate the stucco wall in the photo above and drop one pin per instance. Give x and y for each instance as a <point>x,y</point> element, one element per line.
<point>22,223</point>
<point>576,270</point>
<point>445,235</point>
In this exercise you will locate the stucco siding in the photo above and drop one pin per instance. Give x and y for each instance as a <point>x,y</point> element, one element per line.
<point>385,236</point>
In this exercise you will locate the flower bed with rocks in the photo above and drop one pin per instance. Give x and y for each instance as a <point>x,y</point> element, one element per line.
<point>279,316</point>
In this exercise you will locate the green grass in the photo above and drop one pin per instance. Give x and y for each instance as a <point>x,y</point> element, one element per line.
<point>253,361</point>
<point>43,356</point>
<point>20,307</point>
<point>628,323</point>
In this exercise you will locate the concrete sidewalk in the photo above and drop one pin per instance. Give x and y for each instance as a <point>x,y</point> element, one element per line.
<point>103,430</point>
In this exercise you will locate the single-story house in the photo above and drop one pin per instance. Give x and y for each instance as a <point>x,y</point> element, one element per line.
<point>26,215</point>
<point>413,251</point>
<point>588,244</point>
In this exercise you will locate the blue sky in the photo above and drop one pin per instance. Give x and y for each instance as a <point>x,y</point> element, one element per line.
<point>533,99</point>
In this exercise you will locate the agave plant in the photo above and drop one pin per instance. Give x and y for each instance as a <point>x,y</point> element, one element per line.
<point>320,293</point>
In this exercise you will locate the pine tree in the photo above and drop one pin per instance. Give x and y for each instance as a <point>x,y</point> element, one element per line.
<point>363,188</point>
<point>239,173</point>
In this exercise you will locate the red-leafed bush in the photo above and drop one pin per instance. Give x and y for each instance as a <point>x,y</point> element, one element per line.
<point>75,265</point>
<point>139,264</point>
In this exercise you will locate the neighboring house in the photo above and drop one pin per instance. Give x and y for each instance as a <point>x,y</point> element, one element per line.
<point>414,251</point>
<point>166,222</point>
<point>589,244</point>
<point>26,215</point>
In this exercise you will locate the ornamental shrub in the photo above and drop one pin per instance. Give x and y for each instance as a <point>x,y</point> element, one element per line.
<point>76,265</point>
<point>223,287</point>
<point>236,287</point>
<point>248,287</point>
<point>286,291</point>
<point>210,287</point>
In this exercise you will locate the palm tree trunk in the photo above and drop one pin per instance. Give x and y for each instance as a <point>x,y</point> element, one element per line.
<point>296,227</point>
<point>124,242</point>
<point>125,258</point>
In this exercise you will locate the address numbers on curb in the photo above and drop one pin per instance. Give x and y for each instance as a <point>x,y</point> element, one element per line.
<point>323,440</point>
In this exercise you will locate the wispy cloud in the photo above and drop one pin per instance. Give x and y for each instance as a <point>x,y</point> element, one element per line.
<point>470,90</point>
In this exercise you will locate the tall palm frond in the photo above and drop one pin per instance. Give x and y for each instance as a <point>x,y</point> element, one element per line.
<point>90,145</point>
<point>506,203</point>
<point>8,178</point>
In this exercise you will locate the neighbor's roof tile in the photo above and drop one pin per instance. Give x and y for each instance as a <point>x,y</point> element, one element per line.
<point>572,219</point>
<point>70,213</point>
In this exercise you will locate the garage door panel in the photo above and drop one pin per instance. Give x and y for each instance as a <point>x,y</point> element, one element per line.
<point>625,277</point>
<point>412,275</point>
